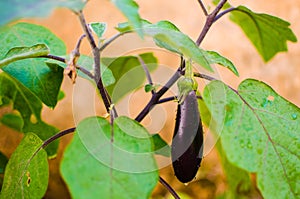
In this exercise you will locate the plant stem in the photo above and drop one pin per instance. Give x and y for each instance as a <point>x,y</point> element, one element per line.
<point>223,13</point>
<point>109,41</point>
<point>97,71</point>
<point>61,59</point>
<point>170,189</point>
<point>209,21</point>
<point>58,135</point>
<point>203,7</point>
<point>155,97</point>
<point>203,76</point>
<point>146,72</point>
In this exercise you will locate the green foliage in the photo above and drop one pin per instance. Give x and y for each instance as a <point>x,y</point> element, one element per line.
<point>216,58</point>
<point>26,174</point>
<point>3,162</point>
<point>168,36</point>
<point>13,121</point>
<point>29,107</point>
<point>128,73</point>
<point>107,161</point>
<point>42,79</point>
<point>130,9</point>
<point>19,53</point>
<point>258,129</point>
<point>267,33</point>
<point>14,9</point>
<point>98,28</point>
<point>160,146</point>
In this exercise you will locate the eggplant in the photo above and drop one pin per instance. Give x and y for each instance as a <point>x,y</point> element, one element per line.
<point>187,142</point>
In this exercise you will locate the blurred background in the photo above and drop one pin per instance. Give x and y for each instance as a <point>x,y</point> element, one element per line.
<point>282,73</point>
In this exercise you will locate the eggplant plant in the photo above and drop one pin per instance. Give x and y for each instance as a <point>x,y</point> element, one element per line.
<point>255,128</point>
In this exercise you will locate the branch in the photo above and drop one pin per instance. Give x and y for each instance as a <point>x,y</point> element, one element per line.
<point>203,76</point>
<point>169,188</point>
<point>203,7</point>
<point>209,21</point>
<point>56,136</point>
<point>155,97</point>
<point>146,72</point>
<point>223,13</point>
<point>61,59</point>
<point>109,41</point>
<point>97,71</point>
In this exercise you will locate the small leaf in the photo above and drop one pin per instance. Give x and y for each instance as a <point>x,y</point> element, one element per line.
<point>13,121</point>
<point>160,146</point>
<point>41,79</point>
<point>12,10</point>
<point>168,36</point>
<point>130,9</point>
<point>3,162</point>
<point>26,174</point>
<point>259,131</point>
<point>106,166</point>
<point>267,33</point>
<point>128,73</point>
<point>216,58</point>
<point>28,105</point>
<point>149,88</point>
<point>19,53</point>
<point>98,28</point>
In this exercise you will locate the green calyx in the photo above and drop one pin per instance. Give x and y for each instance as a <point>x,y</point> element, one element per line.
<point>185,85</point>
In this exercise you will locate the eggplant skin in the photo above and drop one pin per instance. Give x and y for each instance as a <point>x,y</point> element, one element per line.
<point>187,142</point>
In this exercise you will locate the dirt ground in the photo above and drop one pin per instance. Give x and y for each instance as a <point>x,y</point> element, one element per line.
<point>282,73</point>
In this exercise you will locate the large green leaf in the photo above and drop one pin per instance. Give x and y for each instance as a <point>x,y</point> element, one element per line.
<point>42,79</point>
<point>26,174</point>
<point>128,73</point>
<point>19,53</point>
<point>29,107</point>
<point>260,133</point>
<point>267,33</point>
<point>15,9</point>
<point>105,163</point>
<point>168,36</point>
<point>130,9</point>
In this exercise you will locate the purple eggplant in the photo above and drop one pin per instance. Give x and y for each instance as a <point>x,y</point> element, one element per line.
<point>187,142</point>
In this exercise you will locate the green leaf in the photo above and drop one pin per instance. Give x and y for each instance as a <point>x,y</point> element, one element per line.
<point>238,180</point>
<point>160,146</point>
<point>216,58</point>
<point>26,174</point>
<point>13,121</point>
<point>128,72</point>
<point>267,33</point>
<point>259,130</point>
<point>168,36</point>
<point>42,79</point>
<point>130,9</point>
<point>125,26</point>
<point>19,53</point>
<point>106,166</point>
<point>29,107</point>
<point>3,162</point>
<point>98,28</point>
<point>14,9</point>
